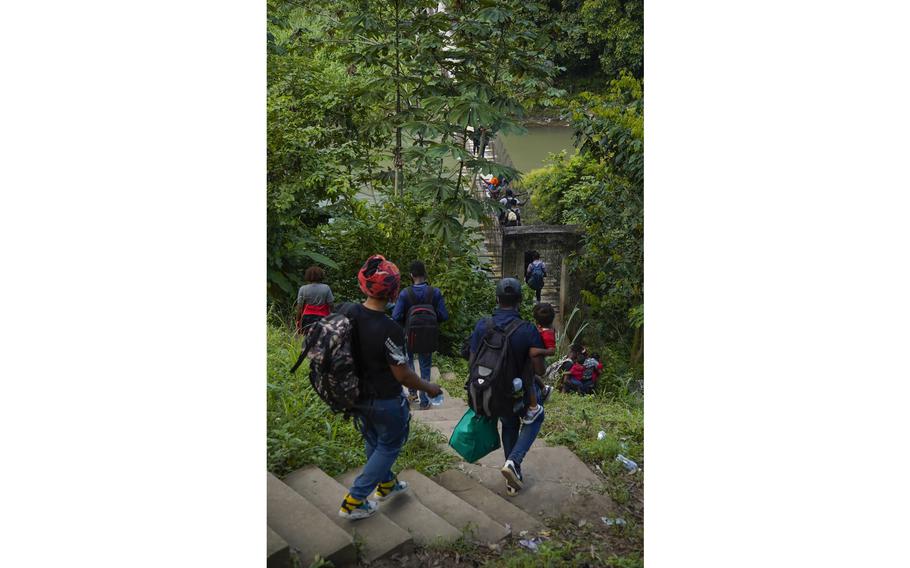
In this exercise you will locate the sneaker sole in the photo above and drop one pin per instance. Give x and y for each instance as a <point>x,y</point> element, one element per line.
<point>511,478</point>
<point>352,517</point>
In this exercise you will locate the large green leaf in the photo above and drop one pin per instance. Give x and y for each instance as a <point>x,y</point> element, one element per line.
<point>320,258</point>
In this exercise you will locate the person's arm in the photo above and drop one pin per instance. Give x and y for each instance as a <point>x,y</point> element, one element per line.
<point>441,313</point>
<point>405,375</point>
<point>399,311</point>
<point>538,352</point>
<point>299,303</point>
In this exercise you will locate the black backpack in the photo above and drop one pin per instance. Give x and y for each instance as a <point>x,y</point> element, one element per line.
<point>333,369</point>
<point>489,383</point>
<point>421,326</point>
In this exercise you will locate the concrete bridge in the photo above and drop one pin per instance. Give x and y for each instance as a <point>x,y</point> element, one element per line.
<point>505,248</point>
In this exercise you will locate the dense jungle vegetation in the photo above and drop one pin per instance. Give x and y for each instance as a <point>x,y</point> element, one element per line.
<point>368,105</point>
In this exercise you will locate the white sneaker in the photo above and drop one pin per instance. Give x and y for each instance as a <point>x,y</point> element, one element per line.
<point>510,472</point>
<point>532,415</point>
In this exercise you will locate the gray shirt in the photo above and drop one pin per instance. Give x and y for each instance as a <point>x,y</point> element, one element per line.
<point>315,294</point>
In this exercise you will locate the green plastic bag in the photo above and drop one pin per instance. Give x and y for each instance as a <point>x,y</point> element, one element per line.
<point>475,436</point>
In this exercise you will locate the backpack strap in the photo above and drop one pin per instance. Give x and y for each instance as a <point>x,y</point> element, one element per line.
<point>513,326</point>
<point>488,327</point>
<point>309,343</point>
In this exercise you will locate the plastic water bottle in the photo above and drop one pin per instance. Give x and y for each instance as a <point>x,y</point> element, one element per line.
<point>437,400</point>
<point>517,392</point>
<point>626,462</point>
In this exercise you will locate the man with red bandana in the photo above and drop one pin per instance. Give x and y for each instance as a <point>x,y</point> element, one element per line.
<point>382,364</point>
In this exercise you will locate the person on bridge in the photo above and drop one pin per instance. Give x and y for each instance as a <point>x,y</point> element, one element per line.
<point>511,216</point>
<point>420,309</point>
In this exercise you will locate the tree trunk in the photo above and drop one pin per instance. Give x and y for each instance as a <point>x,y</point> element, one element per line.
<point>398,162</point>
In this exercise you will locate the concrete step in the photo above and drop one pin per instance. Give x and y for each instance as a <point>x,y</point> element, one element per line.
<point>470,491</point>
<point>441,414</point>
<point>434,370</point>
<point>279,554</point>
<point>453,398</point>
<point>460,514</point>
<point>380,535</point>
<point>305,527</point>
<point>444,427</point>
<point>409,513</point>
<point>556,483</point>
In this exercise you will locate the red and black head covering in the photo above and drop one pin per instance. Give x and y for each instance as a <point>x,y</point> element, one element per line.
<point>379,278</point>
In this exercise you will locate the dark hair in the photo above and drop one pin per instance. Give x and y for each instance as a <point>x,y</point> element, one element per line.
<point>536,255</point>
<point>418,269</point>
<point>544,314</point>
<point>510,193</point>
<point>314,274</point>
<point>596,356</point>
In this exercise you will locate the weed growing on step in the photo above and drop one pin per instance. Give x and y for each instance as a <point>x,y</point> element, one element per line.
<point>303,431</point>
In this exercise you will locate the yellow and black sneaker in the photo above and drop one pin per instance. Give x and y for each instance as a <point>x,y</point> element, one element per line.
<point>390,489</point>
<point>353,509</point>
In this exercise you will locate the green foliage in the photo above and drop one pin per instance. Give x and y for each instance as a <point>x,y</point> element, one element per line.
<point>317,147</point>
<point>302,430</point>
<point>601,189</point>
<point>355,85</point>
<point>394,229</point>
<point>599,38</point>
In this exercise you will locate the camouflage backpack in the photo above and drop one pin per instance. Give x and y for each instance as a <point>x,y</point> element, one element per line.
<point>333,373</point>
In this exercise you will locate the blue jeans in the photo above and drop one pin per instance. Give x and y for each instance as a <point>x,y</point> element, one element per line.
<point>385,427</point>
<point>581,387</point>
<point>517,437</point>
<point>425,360</point>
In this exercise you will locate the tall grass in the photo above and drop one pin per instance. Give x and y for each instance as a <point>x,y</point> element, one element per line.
<point>303,431</point>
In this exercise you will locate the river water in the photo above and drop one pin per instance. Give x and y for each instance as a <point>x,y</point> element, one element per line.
<point>530,151</point>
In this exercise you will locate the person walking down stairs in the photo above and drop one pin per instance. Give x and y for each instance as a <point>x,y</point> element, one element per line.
<point>520,423</point>
<point>382,411</point>
<point>420,309</point>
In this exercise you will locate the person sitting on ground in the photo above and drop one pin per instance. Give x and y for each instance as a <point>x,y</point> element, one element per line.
<point>382,412</point>
<point>572,377</point>
<point>544,315</point>
<point>314,299</point>
<point>518,432</point>
<point>593,367</point>
<point>420,293</point>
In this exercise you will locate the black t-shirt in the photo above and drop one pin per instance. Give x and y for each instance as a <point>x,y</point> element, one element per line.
<point>380,343</point>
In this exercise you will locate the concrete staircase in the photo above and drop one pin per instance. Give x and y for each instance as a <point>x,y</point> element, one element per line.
<point>470,500</point>
<point>556,481</point>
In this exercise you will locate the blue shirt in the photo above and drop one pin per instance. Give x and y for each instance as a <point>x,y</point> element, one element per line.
<point>420,291</point>
<point>523,339</point>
